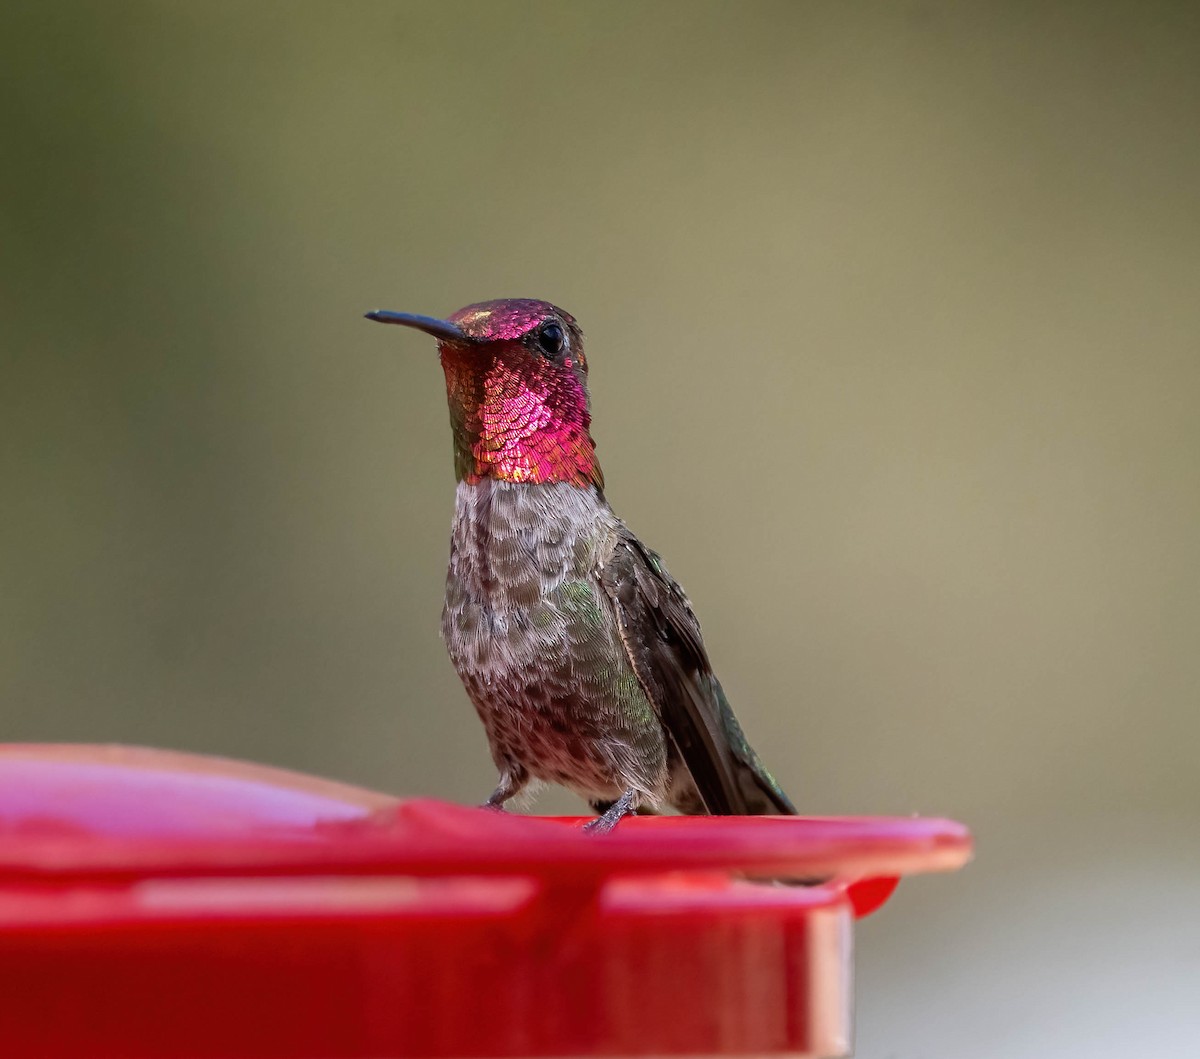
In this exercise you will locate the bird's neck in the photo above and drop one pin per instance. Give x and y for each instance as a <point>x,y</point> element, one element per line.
<point>519,428</point>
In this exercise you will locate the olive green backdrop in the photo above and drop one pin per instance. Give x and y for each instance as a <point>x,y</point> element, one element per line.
<point>894,322</point>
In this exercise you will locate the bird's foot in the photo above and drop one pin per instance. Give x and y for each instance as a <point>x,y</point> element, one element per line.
<point>510,785</point>
<point>613,815</point>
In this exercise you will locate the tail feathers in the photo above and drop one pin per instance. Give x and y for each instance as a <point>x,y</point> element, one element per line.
<point>760,791</point>
<point>763,796</point>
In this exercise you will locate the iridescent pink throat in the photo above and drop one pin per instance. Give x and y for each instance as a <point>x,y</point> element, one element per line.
<point>518,418</point>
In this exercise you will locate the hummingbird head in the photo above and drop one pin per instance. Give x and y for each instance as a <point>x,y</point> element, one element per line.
<point>516,381</point>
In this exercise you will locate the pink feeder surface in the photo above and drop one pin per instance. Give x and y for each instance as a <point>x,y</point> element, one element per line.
<point>157,904</point>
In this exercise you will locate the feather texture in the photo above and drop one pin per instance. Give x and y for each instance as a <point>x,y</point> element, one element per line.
<point>584,658</point>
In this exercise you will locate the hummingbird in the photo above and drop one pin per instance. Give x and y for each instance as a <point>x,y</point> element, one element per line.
<point>580,652</point>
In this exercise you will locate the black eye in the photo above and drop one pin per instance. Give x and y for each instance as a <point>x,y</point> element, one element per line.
<point>552,339</point>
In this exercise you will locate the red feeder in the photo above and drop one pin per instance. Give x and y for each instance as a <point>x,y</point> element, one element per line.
<point>159,905</point>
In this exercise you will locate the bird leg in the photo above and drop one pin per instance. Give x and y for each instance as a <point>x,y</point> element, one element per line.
<point>512,781</point>
<point>614,814</point>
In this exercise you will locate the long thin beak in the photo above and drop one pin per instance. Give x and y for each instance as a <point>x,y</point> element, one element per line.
<point>431,325</point>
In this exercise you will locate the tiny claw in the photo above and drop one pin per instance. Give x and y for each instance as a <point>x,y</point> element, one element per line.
<point>600,826</point>
<point>613,815</point>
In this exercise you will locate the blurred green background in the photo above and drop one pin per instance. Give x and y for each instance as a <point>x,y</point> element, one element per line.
<point>893,315</point>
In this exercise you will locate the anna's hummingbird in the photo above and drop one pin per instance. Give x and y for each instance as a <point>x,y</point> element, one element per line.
<point>580,652</point>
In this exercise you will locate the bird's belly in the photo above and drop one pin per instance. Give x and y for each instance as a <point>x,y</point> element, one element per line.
<point>555,695</point>
<point>535,639</point>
